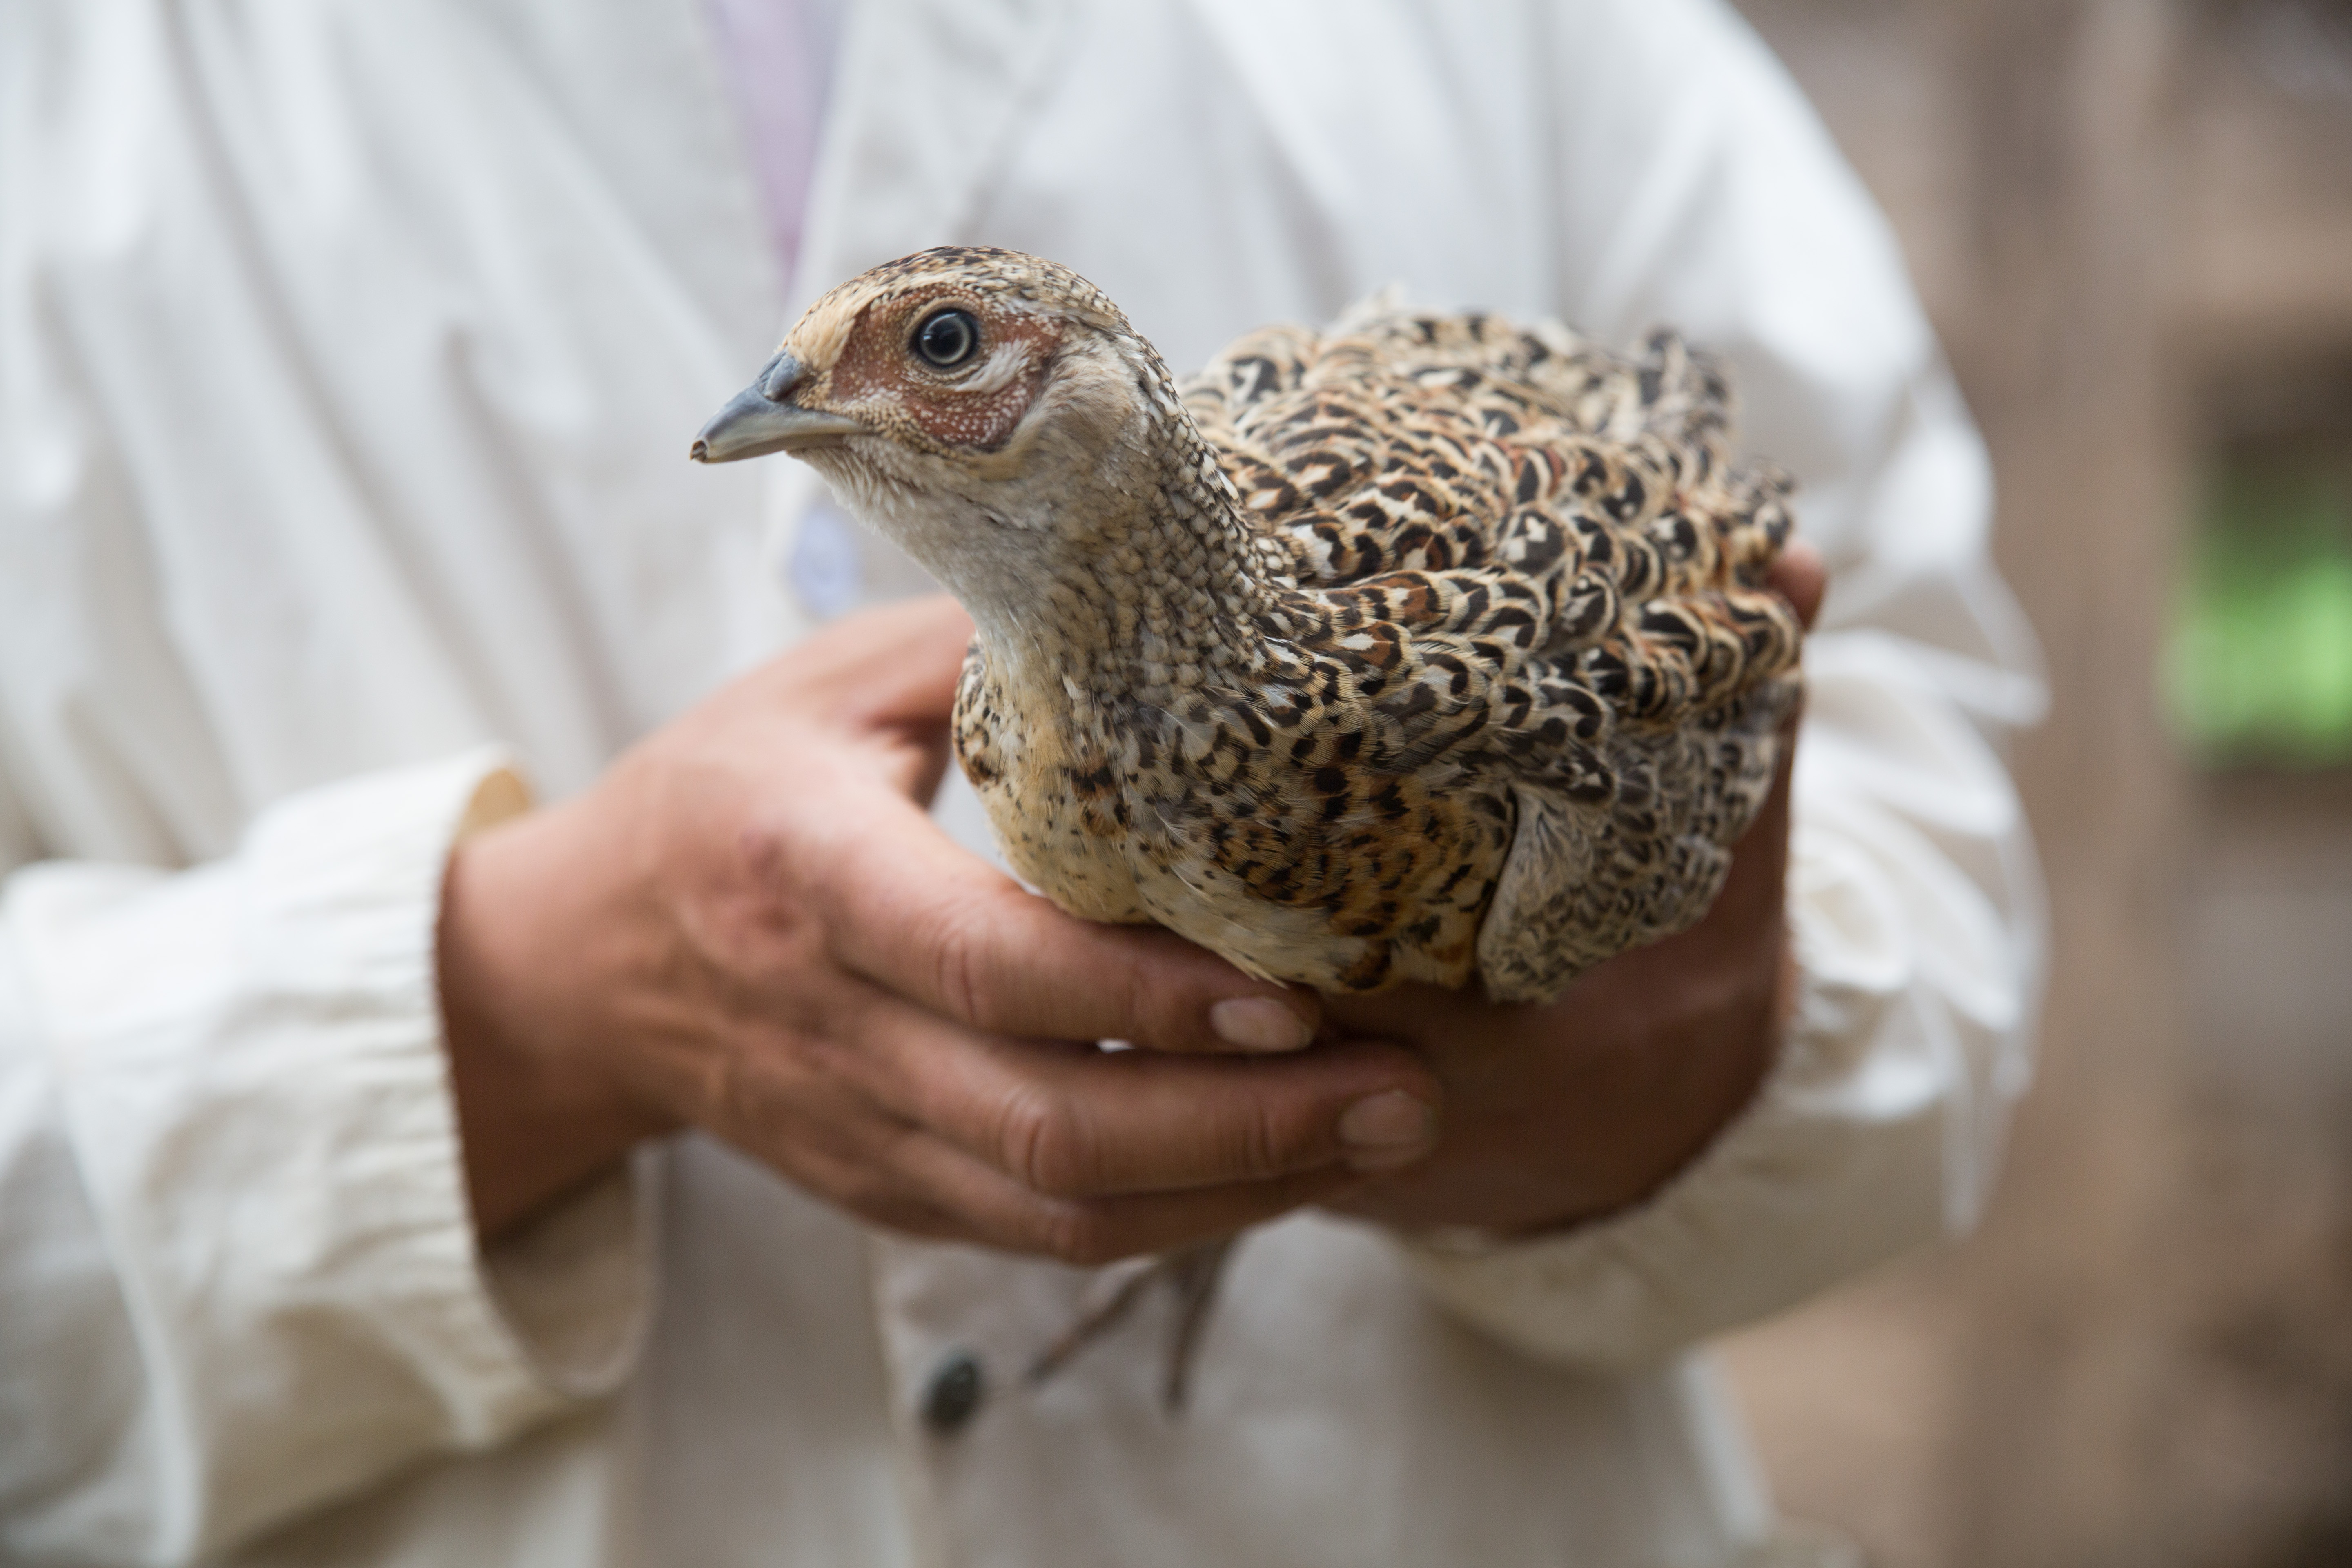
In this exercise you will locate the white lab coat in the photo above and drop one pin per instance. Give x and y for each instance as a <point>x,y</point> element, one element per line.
<point>348,357</point>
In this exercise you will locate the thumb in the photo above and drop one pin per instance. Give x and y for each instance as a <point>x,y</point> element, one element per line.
<point>1798,575</point>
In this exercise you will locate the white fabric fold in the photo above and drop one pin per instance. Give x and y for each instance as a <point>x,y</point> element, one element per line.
<point>246,1061</point>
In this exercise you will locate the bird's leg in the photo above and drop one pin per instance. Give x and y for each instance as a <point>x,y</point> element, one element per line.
<point>1196,1272</point>
<point>1108,1299</point>
<point>1193,1272</point>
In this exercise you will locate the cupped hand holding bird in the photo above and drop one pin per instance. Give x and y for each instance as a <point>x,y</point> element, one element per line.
<point>815,975</point>
<point>750,926</point>
<point>1568,1111</point>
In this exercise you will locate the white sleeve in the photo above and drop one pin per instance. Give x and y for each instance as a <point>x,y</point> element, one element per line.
<point>238,1273</point>
<point>1914,897</point>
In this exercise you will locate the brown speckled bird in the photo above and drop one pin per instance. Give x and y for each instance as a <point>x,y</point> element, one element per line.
<point>1429,647</point>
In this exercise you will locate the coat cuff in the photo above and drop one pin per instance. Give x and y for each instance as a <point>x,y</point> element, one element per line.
<point>1836,1165</point>
<point>251,1060</point>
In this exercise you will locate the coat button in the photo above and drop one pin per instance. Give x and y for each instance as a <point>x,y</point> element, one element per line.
<point>952,1396</point>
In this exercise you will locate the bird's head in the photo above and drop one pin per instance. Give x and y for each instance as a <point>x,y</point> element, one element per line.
<point>992,412</point>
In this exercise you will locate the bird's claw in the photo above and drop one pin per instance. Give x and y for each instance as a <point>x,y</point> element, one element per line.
<point>1193,1274</point>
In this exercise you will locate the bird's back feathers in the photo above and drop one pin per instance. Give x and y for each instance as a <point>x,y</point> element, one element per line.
<point>1520,685</point>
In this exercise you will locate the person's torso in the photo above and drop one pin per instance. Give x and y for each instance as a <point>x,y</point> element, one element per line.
<point>382,357</point>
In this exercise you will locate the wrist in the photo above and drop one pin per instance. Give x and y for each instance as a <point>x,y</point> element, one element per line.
<point>539,1108</point>
<point>1693,1076</point>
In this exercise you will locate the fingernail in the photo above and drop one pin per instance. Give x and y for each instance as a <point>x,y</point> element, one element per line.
<point>1384,1131</point>
<point>1259,1023</point>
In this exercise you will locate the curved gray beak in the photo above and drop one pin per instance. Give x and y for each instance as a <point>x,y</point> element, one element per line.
<point>763,418</point>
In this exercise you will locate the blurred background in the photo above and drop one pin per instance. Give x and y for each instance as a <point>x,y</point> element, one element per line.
<point>2132,222</point>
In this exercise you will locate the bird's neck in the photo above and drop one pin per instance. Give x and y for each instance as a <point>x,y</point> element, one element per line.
<point>1158,587</point>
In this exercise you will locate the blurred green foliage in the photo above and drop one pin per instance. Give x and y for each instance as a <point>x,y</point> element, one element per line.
<point>2259,667</point>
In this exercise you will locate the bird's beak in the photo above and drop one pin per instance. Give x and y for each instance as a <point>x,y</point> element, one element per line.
<point>763,419</point>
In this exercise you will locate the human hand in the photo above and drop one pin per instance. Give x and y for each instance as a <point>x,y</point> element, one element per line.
<point>1567,1111</point>
<point>750,925</point>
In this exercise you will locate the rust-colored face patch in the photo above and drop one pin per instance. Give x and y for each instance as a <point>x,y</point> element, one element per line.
<point>974,404</point>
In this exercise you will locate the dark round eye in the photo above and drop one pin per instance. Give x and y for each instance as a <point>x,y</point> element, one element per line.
<point>948,337</point>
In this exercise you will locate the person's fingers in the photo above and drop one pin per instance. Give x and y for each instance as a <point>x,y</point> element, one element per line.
<point>925,1185</point>
<point>1418,1014</point>
<point>1799,575</point>
<point>897,664</point>
<point>905,906</point>
<point>1074,1122</point>
<point>804,1107</point>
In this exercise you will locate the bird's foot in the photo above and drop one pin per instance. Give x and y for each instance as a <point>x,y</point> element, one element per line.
<point>1192,1273</point>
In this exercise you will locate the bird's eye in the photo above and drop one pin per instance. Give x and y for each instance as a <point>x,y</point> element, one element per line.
<point>947,338</point>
